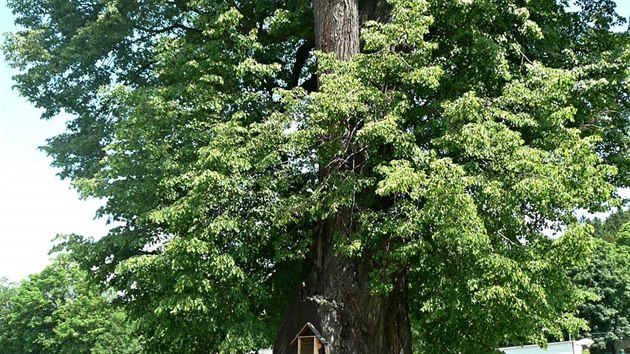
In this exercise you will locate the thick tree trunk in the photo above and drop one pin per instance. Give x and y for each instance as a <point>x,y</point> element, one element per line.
<point>336,297</point>
<point>352,320</point>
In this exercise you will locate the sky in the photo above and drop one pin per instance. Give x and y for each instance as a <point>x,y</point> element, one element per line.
<point>35,205</point>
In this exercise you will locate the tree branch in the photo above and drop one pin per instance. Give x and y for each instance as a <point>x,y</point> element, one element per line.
<point>301,55</point>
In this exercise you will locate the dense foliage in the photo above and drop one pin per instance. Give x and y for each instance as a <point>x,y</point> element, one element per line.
<point>462,131</point>
<point>57,311</point>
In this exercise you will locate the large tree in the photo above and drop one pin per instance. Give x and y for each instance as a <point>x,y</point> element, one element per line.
<point>393,165</point>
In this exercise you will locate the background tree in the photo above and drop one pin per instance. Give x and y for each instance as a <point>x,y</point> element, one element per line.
<point>7,293</point>
<point>404,173</point>
<point>57,311</point>
<point>608,228</point>
<point>607,276</point>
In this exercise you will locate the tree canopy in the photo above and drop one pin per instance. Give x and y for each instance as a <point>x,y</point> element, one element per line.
<point>228,151</point>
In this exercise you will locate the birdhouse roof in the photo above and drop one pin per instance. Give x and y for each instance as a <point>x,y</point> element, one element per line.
<point>308,331</point>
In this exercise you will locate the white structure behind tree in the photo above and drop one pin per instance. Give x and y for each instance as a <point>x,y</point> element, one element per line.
<point>569,347</point>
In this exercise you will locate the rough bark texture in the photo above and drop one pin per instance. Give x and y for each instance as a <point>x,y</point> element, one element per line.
<point>353,320</point>
<point>336,296</point>
<point>337,27</point>
<point>337,300</point>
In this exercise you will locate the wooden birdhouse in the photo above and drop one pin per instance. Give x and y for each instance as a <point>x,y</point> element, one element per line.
<point>309,341</point>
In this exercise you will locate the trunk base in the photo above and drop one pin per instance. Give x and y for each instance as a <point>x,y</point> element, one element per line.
<point>351,320</point>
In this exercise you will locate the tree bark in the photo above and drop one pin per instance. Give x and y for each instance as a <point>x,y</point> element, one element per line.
<point>336,296</point>
<point>337,27</point>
